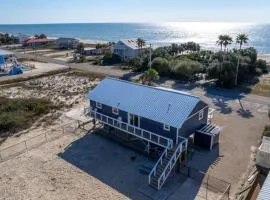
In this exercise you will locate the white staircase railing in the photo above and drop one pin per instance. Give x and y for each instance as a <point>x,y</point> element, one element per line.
<point>133,130</point>
<point>159,162</point>
<point>182,146</point>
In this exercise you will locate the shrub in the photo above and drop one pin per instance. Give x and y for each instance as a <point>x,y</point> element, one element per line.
<point>110,59</point>
<point>135,62</point>
<point>161,65</point>
<point>19,114</point>
<point>261,64</point>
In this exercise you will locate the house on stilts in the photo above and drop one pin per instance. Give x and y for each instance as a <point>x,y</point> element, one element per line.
<point>159,117</point>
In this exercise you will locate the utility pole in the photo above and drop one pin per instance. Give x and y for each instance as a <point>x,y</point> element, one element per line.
<point>150,59</point>
<point>237,69</point>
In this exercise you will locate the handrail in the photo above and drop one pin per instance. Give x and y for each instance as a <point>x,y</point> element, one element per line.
<point>155,167</point>
<point>169,142</point>
<point>169,164</point>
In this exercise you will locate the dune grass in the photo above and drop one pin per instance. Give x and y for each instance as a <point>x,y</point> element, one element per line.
<point>20,114</point>
<point>262,89</point>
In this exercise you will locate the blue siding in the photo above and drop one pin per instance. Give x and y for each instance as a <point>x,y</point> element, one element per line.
<point>157,128</point>
<point>146,124</point>
<point>193,124</point>
<point>107,110</point>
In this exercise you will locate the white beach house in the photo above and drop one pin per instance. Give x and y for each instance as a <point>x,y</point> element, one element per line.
<point>126,49</point>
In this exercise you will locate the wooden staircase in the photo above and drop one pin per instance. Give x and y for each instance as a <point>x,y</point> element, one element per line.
<point>165,164</point>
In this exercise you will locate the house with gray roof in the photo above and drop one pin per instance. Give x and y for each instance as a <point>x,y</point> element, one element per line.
<point>126,49</point>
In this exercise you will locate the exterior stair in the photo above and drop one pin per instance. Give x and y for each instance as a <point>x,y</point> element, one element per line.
<point>165,164</point>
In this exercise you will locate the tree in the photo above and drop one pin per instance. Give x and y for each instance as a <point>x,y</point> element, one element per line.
<point>161,65</point>
<point>135,62</point>
<point>174,49</point>
<point>241,39</point>
<point>141,43</point>
<point>227,41</point>
<point>224,40</point>
<point>149,76</point>
<point>220,41</point>
<point>80,48</point>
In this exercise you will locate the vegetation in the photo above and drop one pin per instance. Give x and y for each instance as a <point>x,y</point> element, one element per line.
<point>19,114</point>
<point>149,76</point>
<point>80,48</point>
<point>6,39</point>
<point>111,59</point>
<point>187,61</point>
<point>41,36</point>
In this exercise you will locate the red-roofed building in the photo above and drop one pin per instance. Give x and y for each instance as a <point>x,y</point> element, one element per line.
<point>38,42</point>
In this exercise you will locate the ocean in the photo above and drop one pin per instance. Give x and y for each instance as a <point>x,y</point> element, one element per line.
<point>204,33</point>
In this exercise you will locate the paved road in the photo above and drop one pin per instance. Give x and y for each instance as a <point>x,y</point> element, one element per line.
<point>108,70</point>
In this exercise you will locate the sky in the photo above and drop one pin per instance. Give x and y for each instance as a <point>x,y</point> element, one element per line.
<point>83,11</point>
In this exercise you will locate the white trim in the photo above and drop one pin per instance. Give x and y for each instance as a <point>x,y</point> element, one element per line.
<point>98,105</point>
<point>115,111</point>
<point>201,115</point>
<point>195,114</point>
<point>139,119</point>
<point>166,127</point>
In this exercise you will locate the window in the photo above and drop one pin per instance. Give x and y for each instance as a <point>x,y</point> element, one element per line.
<point>115,111</point>
<point>201,115</point>
<point>98,105</point>
<point>166,127</point>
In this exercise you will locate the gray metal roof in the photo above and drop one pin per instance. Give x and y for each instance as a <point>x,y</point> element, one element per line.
<point>5,53</point>
<point>161,105</point>
<point>265,191</point>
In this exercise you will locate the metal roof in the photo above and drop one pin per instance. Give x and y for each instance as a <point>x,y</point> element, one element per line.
<point>5,53</point>
<point>265,191</point>
<point>164,106</point>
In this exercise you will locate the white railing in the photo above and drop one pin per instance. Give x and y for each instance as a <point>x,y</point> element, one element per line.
<point>159,162</point>
<point>133,130</point>
<point>172,162</point>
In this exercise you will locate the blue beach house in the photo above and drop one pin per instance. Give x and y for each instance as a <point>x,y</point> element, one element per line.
<point>160,117</point>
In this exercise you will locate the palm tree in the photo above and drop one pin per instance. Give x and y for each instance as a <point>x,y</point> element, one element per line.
<point>224,40</point>
<point>227,41</point>
<point>149,76</point>
<point>141,43</point>
<point>220,41</point>
<point>241,39</point>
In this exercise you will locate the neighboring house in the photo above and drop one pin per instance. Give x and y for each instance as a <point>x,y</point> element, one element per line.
<point>126,49</point>
<point>66,43</point>
<point>36,42</point>
<point>161,117</point>
<point>91,51</point>
<point>22,37</point>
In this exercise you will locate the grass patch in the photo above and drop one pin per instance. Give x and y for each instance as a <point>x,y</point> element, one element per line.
<point>262,88</point>
<point>20,114</point>
<point>92,76</point>
<point>17,80</point>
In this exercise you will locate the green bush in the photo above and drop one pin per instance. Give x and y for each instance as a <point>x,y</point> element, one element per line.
<point>110,59</point>
<point>19,114</point>
<point>161,65</point>
<point>261,64</point>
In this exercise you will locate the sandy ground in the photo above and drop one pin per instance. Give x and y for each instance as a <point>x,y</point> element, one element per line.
<point>92,167</point>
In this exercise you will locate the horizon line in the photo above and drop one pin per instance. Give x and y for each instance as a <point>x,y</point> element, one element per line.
<point>162,22</point>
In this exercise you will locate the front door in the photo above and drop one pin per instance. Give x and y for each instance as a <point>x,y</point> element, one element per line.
<point>134,120</point>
